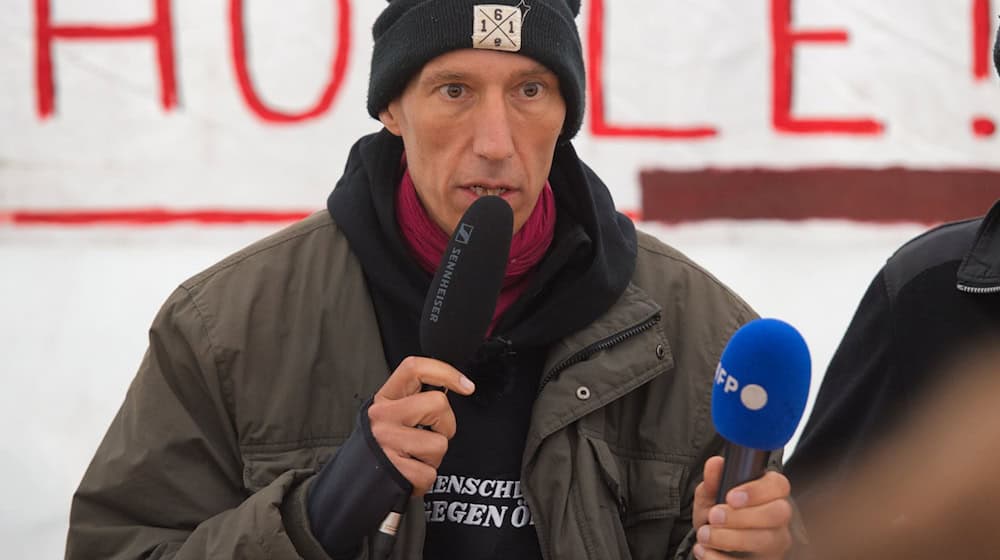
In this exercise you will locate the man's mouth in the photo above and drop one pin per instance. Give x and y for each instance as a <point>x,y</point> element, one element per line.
<point>482,190</point>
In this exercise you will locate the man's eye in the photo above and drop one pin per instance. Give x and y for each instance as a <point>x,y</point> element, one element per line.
<point>532,89</point>
<point>454,91</point>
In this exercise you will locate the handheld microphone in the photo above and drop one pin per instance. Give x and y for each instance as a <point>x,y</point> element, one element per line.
<point>760,392</point>
<point>463,295</point>
<point>459,306</point>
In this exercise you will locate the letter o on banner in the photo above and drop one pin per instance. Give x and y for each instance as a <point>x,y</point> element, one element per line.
<point>337,70</point>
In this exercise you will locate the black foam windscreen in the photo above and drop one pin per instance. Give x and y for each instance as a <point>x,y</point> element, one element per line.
<point>463,295</point>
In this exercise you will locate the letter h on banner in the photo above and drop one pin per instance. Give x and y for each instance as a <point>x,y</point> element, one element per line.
<point>159,30</point>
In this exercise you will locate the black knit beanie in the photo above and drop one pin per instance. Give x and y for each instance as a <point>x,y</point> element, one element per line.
<point>409,33</point>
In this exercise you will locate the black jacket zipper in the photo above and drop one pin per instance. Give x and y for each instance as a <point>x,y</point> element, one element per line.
<point>596,347</point>
<point>979,272</point>
<point>978,290</point>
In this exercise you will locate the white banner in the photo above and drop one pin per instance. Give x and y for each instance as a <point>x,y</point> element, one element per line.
<point>237,104</point>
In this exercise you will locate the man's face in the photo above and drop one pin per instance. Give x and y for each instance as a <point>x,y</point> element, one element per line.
<point>478,122</point>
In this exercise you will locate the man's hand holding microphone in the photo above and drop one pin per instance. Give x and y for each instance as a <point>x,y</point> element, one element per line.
<point>741,509</point>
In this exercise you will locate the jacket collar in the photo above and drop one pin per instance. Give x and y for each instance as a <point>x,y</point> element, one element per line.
<point>979,272</point>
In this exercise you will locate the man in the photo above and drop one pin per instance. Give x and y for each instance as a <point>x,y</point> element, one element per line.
<point>581,431</point>
<point>936,300</point>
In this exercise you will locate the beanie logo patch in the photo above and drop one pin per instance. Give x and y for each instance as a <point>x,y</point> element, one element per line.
<point>497,27</point>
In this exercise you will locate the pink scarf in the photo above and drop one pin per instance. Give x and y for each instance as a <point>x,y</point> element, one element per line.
<point>427,241</point>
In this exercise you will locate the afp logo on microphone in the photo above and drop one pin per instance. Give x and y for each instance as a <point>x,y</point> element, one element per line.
<point>761,385</point>
<point>752,396</point>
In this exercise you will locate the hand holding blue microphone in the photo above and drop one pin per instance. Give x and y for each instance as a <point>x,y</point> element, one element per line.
<point>760,392</point>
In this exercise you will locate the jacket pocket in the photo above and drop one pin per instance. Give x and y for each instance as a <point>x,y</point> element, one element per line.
<point>647,494</point>
<point>262,465</point>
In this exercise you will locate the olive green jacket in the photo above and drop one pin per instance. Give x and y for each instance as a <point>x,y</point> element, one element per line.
<point>257,367</point>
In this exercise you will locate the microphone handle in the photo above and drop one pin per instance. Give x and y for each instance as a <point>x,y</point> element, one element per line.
<point>385,537</point>
<point>743,464</point>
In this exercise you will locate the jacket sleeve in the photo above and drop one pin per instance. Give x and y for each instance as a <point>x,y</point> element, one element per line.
<point>167,480</point>
<point>354,491</point>
<point>854,401</point>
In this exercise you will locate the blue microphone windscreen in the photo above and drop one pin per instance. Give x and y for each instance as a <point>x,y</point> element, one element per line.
<point>761,385</point>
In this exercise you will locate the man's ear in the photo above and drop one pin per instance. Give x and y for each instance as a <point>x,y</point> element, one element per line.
<point>389,120</point>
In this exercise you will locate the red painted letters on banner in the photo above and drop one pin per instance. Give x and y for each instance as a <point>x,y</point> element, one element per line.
<point>337,71</point>
<point>159,30</point>
<point>599,126</point>
<point>783,78</point>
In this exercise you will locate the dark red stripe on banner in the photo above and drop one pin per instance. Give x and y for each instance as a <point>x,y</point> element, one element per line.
<point>871,195</point>
<point>148,217</point>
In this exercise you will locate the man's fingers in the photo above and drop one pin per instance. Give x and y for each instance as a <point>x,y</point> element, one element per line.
<point>757,542</point>
<point>423,445</point>
<point>772,486</point>
<point>400,406</point>
<point>708,488</point>
<point>420,474</point>
<point>414,372</point>
<point>777,513</point>
<point>713,475</point>
<point>430,409</point>
<point>754,519</point>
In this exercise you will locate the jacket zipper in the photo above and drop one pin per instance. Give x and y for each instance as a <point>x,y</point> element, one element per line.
<point>598,346</point>
<point>582,355</point>
<point>975,290</point>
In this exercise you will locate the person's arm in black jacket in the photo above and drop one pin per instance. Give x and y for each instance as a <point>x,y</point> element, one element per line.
<point>857,399</point>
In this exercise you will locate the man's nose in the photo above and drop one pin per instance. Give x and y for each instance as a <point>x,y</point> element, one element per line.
<point>493,135</point>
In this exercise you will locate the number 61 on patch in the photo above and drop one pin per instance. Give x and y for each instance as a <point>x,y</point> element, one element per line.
<point>496,27</point>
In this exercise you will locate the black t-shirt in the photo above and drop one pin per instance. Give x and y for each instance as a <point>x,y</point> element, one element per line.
<point>477,504</point>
